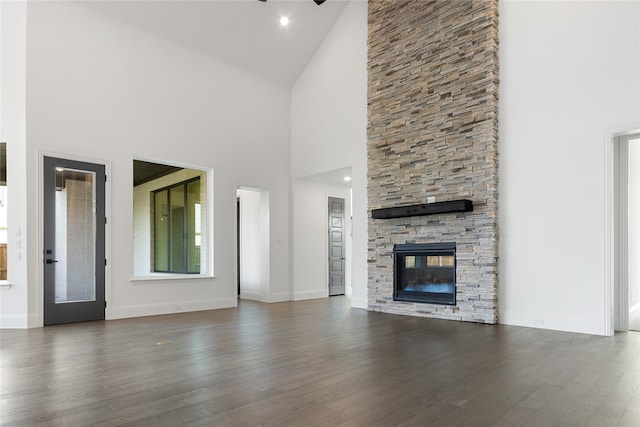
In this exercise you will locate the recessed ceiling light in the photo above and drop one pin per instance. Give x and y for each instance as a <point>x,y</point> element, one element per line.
<point>284,21</point>
<point>347,178</point>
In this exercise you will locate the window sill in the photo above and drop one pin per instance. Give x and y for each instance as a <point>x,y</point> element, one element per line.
<point>157,277</point>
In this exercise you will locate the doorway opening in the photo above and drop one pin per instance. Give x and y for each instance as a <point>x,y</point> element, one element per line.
<point>253,252</point>
<point>626,224</point>
<point>313,258</point>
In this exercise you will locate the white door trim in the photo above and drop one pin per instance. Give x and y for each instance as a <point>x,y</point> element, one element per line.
<point>615,260</point>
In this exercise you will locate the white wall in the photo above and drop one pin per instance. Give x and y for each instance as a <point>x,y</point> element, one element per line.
<point>310,222</point>
<point>634,225</point>
<point>329,122</point>
<point>569,71</point>
<point>102,90</point>
<point>14,301</point>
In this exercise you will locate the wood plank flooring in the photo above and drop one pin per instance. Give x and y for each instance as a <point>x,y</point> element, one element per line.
<point>314,363</point>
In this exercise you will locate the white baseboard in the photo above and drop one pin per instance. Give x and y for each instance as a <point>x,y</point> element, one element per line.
<point>580,325</point>
<point>280,297</point>
<point>14,321</point>
<point>359,302</point>
<point>257,296</point>
<point>250,295</point>
<point>166,308</point>
<point>318,293</point>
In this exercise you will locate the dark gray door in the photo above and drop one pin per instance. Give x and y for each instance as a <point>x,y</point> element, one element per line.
<point>336,246</point>
<point>74,241</point>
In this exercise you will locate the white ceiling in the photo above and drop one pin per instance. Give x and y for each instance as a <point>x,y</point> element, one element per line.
<point>243,33</point>
<point>333,178</point>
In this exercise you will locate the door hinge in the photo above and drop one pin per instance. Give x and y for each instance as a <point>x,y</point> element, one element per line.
<point>105,178</point>
<point>105,219</point>
<point>105,304</point>
<point>105,262</point>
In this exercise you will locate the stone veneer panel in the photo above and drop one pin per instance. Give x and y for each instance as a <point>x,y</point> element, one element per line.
<point>433,131</point>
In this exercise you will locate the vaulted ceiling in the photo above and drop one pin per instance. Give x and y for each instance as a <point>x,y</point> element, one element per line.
<point>243,33</point>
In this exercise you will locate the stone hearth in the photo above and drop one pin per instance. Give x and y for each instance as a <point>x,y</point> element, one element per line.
<point>433,131</point>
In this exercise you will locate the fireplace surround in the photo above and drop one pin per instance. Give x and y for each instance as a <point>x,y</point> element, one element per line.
<point>433,133</point>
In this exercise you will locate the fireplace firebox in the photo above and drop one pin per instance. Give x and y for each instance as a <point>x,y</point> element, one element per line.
<point>425,273</point>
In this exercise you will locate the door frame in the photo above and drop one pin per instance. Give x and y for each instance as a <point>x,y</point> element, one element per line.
<point>261,239</point>
<point>615,286</point>
<point>345,233</point>
<point>348,240</point>
<point>107,230</point>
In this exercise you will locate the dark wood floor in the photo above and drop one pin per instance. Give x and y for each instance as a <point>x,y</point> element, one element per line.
<point>314,363</point>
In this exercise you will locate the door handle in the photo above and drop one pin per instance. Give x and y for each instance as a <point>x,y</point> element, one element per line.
<point>51,261</point>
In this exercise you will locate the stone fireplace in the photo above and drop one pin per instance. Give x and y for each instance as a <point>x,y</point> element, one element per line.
<point>432,133</point>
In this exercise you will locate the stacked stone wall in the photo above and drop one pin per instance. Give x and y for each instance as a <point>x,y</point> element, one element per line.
<point>433,131</point>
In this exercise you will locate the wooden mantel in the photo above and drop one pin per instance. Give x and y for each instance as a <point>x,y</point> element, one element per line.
<point>462,205</point>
